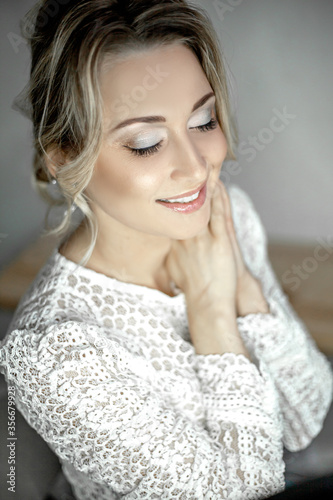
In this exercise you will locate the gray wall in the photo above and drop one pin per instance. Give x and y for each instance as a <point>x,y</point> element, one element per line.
<point>280,57</point>
<point>21,210</point>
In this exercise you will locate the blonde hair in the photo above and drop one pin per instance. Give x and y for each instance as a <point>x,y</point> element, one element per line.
<point>69,41</point>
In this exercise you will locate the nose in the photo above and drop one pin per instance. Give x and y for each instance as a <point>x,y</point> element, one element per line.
<point>188,162</point>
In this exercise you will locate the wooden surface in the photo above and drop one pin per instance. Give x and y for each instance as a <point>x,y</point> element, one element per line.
<point>17,276</point>
<point>307,281</point>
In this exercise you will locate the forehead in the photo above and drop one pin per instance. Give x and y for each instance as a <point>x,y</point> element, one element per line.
<point>156,77</point>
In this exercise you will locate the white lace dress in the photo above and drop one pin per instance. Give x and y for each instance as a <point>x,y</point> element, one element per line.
<point>106,373</point>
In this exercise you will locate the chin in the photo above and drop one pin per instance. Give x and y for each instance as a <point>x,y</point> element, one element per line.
<point>190,227</point>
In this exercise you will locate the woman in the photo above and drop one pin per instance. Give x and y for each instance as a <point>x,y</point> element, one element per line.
<point>155,351</point>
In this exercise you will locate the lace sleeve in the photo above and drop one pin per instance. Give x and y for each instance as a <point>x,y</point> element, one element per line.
<point>83,395</point>
<point>302,374</point>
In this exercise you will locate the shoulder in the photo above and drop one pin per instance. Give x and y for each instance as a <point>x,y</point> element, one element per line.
<point>61,291</point>
<point>38,296</point>
<point>249,228</point>
<point>68,349</point>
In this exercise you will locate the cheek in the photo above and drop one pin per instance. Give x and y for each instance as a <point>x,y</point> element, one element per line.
<point>121,179</point>
<point>106,181</point>
<point>217,152</point>
<point>216,149</point>
<point>221,146</point>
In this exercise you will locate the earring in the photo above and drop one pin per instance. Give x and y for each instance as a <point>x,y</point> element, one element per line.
<point>54,190</point>
<point>174,288</point>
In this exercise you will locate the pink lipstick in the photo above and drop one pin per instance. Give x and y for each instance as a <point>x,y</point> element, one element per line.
<point>186,203</point>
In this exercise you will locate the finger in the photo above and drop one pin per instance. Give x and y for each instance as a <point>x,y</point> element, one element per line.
<point>217,220</point>
<point>237,252</point>
<point>226,204</point>
<point>232,230</point>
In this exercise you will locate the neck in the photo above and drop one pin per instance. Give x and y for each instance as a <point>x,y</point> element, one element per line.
<point>125,254</point>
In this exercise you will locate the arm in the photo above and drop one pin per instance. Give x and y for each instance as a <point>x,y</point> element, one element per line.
<point>93,402</point>
<point>301,373</point>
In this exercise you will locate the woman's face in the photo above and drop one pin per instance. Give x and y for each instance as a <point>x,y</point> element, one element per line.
<point>175,151</point>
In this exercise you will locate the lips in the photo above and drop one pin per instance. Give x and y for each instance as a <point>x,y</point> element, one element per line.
<point>181,197</point>
<point>186,203</point>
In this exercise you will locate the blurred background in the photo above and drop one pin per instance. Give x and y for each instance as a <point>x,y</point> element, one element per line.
<point>279,57</point>
<point>279,54</point>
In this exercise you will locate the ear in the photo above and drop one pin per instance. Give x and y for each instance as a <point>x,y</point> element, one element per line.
<point>54,158</point>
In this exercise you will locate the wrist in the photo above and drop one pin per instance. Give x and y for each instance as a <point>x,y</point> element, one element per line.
<point>219,336</point>
<point>221,311</point>
<point>214,330</point>
<point>250,297</point>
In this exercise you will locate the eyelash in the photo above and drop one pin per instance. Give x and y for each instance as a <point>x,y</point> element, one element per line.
<point>153,149</point>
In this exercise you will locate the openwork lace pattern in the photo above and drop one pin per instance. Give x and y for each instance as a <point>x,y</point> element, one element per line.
<point>106,373</point>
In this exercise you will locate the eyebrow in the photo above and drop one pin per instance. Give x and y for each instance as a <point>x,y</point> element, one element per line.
<point>154,119</point>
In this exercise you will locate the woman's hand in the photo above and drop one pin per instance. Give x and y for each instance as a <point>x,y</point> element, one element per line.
<point>205,268</point>
<point>210,269</point>
<point>249,296</point>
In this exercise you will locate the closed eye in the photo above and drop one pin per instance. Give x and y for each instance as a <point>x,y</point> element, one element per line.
<point>211,125</point>
<point>145,151</point>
